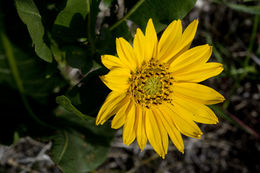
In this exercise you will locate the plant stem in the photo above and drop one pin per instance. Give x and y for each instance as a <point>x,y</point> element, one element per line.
<point>133,9</point>
<point>234,120</point>
<point>66,103</point>
<point>90,39</point>
<point>251,44</point>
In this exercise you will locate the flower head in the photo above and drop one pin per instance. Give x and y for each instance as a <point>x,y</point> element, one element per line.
<point>155,91</point>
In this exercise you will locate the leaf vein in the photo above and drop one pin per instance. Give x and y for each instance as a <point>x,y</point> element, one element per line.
<point>64,147</point>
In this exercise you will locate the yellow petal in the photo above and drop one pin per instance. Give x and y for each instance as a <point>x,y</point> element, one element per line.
<point>197,93</point>
<point>189,33</point>
<point>140,131</point>
<point>111,105</point>
<point>139,46</point>
<point>185,125</point>
<point>128,130</point>
<point>171,129</point>
<point>198,73</point>
<point>126,53</point>
<point>198,112</point>
<point>110,61</point>
<point>151,41</point>
<point>153,133</point>
<point>186,40</point>
<point>169,44</point>
<point>117,79</point>
<point>191,58</point>
<point>120,117</point>
<point>162,130</point>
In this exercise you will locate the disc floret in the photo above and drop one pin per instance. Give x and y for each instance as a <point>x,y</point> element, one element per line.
<point>150,84</point>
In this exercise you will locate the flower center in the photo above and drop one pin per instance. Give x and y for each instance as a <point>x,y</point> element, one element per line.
<point>150,84</point>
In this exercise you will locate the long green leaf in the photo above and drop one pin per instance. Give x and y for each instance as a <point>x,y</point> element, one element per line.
<point>16,76</point>
<point>234,120</point>
<point>243,8</point>
<point>30,16</point>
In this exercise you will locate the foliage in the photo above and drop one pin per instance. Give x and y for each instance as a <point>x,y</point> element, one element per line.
<point>30,15</point>
<point>42,42</point>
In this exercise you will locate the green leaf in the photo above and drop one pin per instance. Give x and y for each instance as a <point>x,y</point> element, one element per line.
<point>70,23</point>
<point>89,127</point>
<point>243,8</point>
<point>30,16</point>
<point>74,152</point>
<point>82,149</point>
<point>161,11</point>
<point>72,8</point>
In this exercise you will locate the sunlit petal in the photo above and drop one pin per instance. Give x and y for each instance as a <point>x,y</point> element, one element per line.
<point>198,73</point>
<point>198,93</point>
<point>169,44</point>
<point>112,104</point>
<point>126,53</point>
<point>117,79</point>
<point>140,131</point>
<point>128,130</point>
<point>151,41</point>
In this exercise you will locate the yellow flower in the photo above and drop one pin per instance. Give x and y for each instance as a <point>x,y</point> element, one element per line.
<point>155,91</point>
